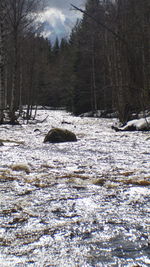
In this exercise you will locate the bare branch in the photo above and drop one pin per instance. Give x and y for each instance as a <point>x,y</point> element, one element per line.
<point>116,35</point>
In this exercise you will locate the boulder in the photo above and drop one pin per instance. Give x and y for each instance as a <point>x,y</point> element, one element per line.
<point>57,135</point>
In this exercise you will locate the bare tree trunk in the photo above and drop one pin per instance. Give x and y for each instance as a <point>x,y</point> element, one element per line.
<point>13,105</point>
<point>93,78</point>
<point>20,92</point>
<point>2,79</point>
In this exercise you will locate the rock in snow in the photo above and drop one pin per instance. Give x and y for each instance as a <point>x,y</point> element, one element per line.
<point>135,125</point>
<point>57,135</point>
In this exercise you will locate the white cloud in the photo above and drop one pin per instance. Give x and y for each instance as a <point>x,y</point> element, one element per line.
<point>58,18</point>
<point>52,15</point>
<point>54,23</point>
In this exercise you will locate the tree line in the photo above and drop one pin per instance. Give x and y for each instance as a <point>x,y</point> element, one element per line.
<point>19,57</point>
<point>104,65</point>
<point>110,54</point>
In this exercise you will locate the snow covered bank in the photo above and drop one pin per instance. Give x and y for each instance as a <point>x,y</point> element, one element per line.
<point>100,114</point>
<point>135,125</point>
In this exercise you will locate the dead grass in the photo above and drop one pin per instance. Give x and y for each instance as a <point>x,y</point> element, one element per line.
<point>72,175</point>
<point>20,167</point>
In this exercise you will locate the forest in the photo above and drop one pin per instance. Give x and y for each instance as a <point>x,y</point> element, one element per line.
<point>103,65</point>
<point>81,199</point>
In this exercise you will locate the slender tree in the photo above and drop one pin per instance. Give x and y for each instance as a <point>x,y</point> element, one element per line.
<point>2,61</point>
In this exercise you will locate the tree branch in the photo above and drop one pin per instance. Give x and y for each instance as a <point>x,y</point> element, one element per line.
<point>101,24</point>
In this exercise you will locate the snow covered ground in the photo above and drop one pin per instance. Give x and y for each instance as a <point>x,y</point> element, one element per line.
<point>74,204</point>
<point>142,124</point>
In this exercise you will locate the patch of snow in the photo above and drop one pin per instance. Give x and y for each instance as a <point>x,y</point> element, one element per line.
<point>139,124</point>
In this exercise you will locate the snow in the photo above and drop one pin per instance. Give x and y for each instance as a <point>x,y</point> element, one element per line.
<point>52,211</point>
<point>139,124</point>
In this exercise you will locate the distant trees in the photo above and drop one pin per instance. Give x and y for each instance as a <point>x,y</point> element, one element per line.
<point>111,55</point>
<point>104,64</point>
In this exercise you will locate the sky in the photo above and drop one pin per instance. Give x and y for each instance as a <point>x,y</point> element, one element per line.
<point>58,18</point>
